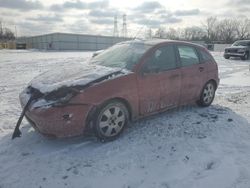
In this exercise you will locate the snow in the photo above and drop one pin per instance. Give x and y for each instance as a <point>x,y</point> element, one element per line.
<point>71,75</point>
<point>187,147</point>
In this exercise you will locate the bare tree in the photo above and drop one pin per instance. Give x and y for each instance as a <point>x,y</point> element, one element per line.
<point>210,26</point>
<point>243,29</point>
<point>160,33</point>
<point>223,30</point>
<point>227,30</point>
<point>173,34</point>
<point>8,34</point>
<point>5,33</point>
<point>194,33</point>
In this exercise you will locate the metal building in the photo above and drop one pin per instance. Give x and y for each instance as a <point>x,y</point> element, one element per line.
<point>66,41</point>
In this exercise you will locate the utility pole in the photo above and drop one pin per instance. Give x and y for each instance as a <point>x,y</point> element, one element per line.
<point>124,26</point>
<point>115,33</point>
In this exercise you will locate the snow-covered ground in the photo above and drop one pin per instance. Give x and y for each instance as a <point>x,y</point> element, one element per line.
<point>189,147</point>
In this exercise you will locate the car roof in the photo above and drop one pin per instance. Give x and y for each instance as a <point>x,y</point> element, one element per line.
<point>242,41</point>
<point>156,41</point>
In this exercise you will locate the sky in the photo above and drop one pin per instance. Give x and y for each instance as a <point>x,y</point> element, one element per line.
<point>35,17</point>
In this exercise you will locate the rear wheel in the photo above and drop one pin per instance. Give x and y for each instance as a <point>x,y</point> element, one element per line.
<point>111,119</point>
<point>207,94</point>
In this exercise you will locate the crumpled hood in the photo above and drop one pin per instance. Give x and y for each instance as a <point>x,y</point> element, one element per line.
<point>76,74</point>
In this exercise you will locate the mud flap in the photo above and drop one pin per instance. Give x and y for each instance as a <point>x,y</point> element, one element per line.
<point>17,132</point>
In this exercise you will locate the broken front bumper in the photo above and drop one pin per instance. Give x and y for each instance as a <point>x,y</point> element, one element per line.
<point>57,121</point>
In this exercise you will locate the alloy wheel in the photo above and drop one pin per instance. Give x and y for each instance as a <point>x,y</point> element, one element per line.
<point>208,93</point>
<point>111,120</point>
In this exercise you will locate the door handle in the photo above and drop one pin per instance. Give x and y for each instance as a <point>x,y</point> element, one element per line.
<point>201,69</point>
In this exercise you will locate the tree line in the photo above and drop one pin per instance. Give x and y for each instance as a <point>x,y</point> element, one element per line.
<point>211,30</point>
<point>6,34</point>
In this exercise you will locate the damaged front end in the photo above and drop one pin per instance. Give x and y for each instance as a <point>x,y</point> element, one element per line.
<point>57,98</point>
<point>32,99</point>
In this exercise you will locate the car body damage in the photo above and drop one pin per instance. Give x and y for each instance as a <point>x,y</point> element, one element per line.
<point>128,81</point>
<point>32,99</point>
<point>72,75</point>
<point>63,94</point>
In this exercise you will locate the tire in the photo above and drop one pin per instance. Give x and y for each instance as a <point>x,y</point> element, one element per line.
<point>245,57</point>
<point>110,120</point>
<point>226,57</point>
<point>207,94</point>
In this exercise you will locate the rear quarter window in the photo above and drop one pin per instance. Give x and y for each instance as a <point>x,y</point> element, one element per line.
<point>205,57</point>
<point>188,55</point>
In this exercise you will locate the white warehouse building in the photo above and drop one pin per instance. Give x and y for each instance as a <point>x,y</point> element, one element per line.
<point>67,41</point>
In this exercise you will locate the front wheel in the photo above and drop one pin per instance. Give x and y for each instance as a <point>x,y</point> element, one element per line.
<point>110,120</point>
<point>207,94</point>
<point>245,57</point>
<point>226,57</point>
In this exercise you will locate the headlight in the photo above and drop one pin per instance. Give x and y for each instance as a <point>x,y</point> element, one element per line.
<point>62,95</point>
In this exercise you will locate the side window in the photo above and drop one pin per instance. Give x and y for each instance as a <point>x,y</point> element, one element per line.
<point>205,57</point>
<point>161,60</point>
<point>188,56</point>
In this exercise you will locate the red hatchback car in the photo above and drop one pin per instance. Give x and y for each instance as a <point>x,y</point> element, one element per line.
<point>129,80</point>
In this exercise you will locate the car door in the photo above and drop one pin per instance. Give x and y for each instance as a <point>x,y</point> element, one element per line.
<point>192,73</point>
<point>160,81</point>
<point>210,67</point>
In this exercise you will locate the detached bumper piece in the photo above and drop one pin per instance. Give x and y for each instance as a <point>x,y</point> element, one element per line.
<point>17,133</point>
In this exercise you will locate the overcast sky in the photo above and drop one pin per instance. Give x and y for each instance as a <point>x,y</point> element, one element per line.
<point>33,17</point>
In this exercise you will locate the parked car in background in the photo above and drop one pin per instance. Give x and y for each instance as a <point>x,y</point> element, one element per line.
<point>127,81</point>
<point>96,53</point>
<point>240,48</point>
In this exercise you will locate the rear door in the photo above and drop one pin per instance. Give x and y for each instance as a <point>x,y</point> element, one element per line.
<point>170,78</point>
<point>210,66</point>
<point>160,81</point>
<point>192,73</point>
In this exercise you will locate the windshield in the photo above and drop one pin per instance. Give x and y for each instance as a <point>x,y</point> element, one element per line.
<point>241,43</point>
<point>123,55</point>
